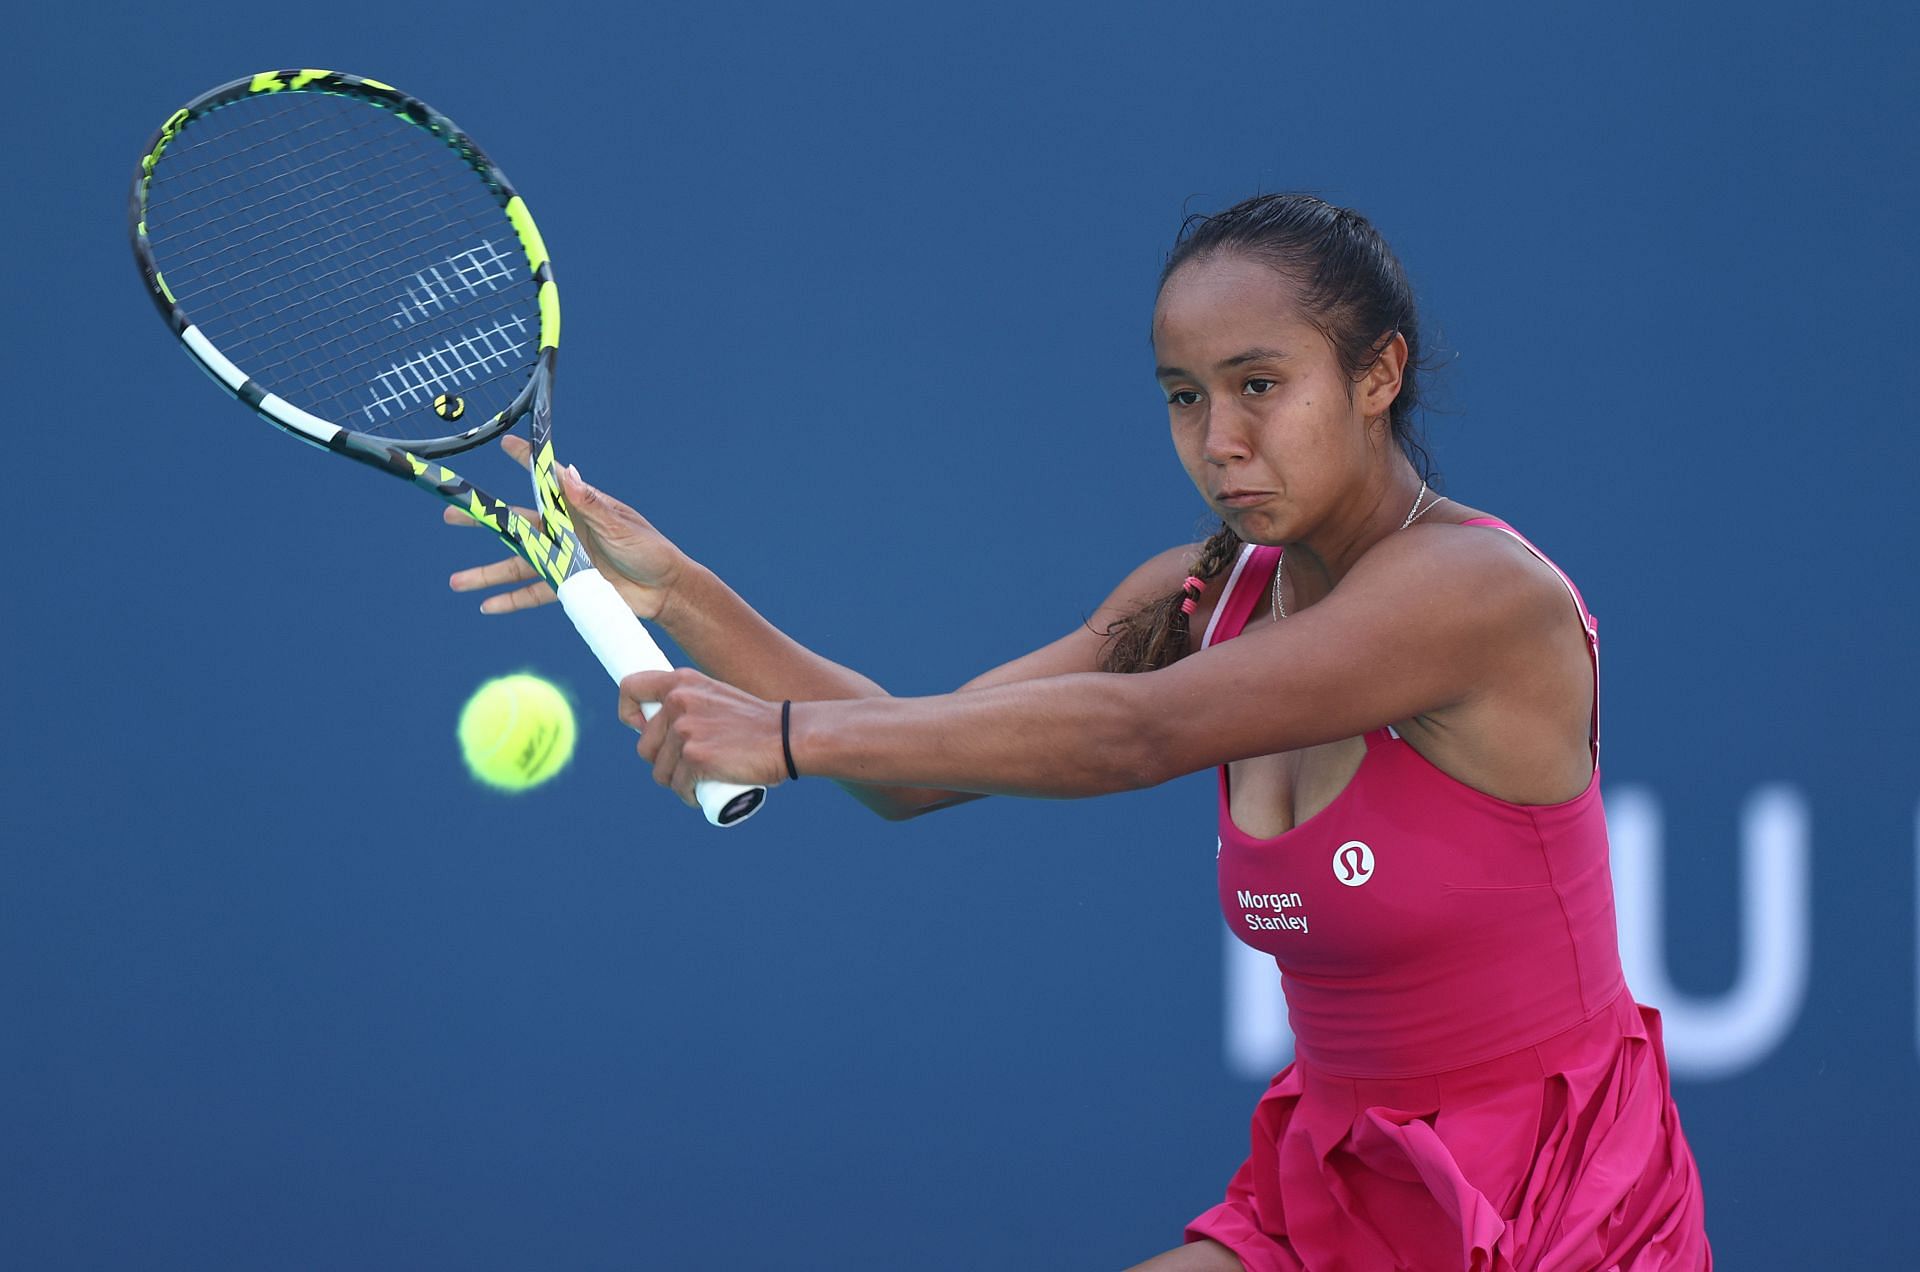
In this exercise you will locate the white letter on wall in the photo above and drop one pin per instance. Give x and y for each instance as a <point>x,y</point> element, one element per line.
<point>1722,1036</point>
<point>1259,1044</point>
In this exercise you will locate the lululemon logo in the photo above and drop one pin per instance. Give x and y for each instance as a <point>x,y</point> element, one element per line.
<point>1353,863</point>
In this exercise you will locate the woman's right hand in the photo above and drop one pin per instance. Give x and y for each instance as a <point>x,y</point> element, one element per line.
<point>638,560</point>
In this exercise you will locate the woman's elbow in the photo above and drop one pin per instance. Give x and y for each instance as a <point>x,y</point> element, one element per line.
<point>898,805</point>
<point>1137,759</point>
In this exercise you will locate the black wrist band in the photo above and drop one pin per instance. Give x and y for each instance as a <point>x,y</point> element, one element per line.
<point>786,737</point>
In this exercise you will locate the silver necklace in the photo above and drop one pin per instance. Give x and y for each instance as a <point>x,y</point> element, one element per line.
<point>1413,514</point>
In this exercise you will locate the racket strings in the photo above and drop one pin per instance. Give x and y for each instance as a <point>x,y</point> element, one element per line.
<point>347,260</point>
<point>238,169</point>
<point>286,285</point>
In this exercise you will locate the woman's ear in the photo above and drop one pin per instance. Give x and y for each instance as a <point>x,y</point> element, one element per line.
<point>1380,383</point>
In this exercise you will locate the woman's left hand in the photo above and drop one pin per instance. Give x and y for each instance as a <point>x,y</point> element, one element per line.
<point>704,730</point>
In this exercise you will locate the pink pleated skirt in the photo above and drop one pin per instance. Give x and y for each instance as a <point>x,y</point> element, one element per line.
<point>1564,1157</point>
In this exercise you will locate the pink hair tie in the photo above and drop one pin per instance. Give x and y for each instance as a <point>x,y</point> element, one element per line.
<point>1189,605</point>
<point>1194,584</point>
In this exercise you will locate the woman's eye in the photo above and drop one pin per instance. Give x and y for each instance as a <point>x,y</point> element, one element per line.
<point>1256,387</point>
<point>1185,397</point>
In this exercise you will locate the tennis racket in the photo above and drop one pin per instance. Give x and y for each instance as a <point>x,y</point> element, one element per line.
<point>345,261</point>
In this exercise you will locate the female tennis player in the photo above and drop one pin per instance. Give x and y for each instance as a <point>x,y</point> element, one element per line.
<point>1399,693</point>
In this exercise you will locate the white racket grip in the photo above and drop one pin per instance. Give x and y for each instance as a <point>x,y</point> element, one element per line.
<point>623,646</point>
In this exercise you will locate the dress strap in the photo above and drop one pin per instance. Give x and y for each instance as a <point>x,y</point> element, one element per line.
<point>1587,620</point>
<point>1241,596</point>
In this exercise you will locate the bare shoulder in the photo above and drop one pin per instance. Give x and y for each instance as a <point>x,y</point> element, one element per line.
<point>1157,576</point>
<point>1516,720</point>
<point>1080,650</point>
<point>1478,572</point>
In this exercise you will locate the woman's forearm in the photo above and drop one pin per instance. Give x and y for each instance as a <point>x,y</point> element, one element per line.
<point>731,641</point>
<point>1061,738</point>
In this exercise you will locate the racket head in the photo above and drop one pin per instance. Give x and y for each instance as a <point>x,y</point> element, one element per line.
<point>346,261</point>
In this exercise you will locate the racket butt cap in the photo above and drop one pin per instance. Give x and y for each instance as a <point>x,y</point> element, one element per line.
<point>741,806</point>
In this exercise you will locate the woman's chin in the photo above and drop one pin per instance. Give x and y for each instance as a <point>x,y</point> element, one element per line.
<point>1255,525</point>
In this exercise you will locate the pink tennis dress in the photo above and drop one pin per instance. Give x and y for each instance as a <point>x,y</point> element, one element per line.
<point>1473,1087</point>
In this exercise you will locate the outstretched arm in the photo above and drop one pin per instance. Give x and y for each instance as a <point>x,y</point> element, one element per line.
<point>1425,625</point>
<point>734,643</point>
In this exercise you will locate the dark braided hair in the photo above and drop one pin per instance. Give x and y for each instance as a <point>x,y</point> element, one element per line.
<point>1351,288</point>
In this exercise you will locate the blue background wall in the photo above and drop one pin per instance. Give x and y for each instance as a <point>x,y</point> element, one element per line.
<point>857,303</point>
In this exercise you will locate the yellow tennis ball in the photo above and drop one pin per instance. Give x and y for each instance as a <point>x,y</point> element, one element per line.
<point>516,732</point>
